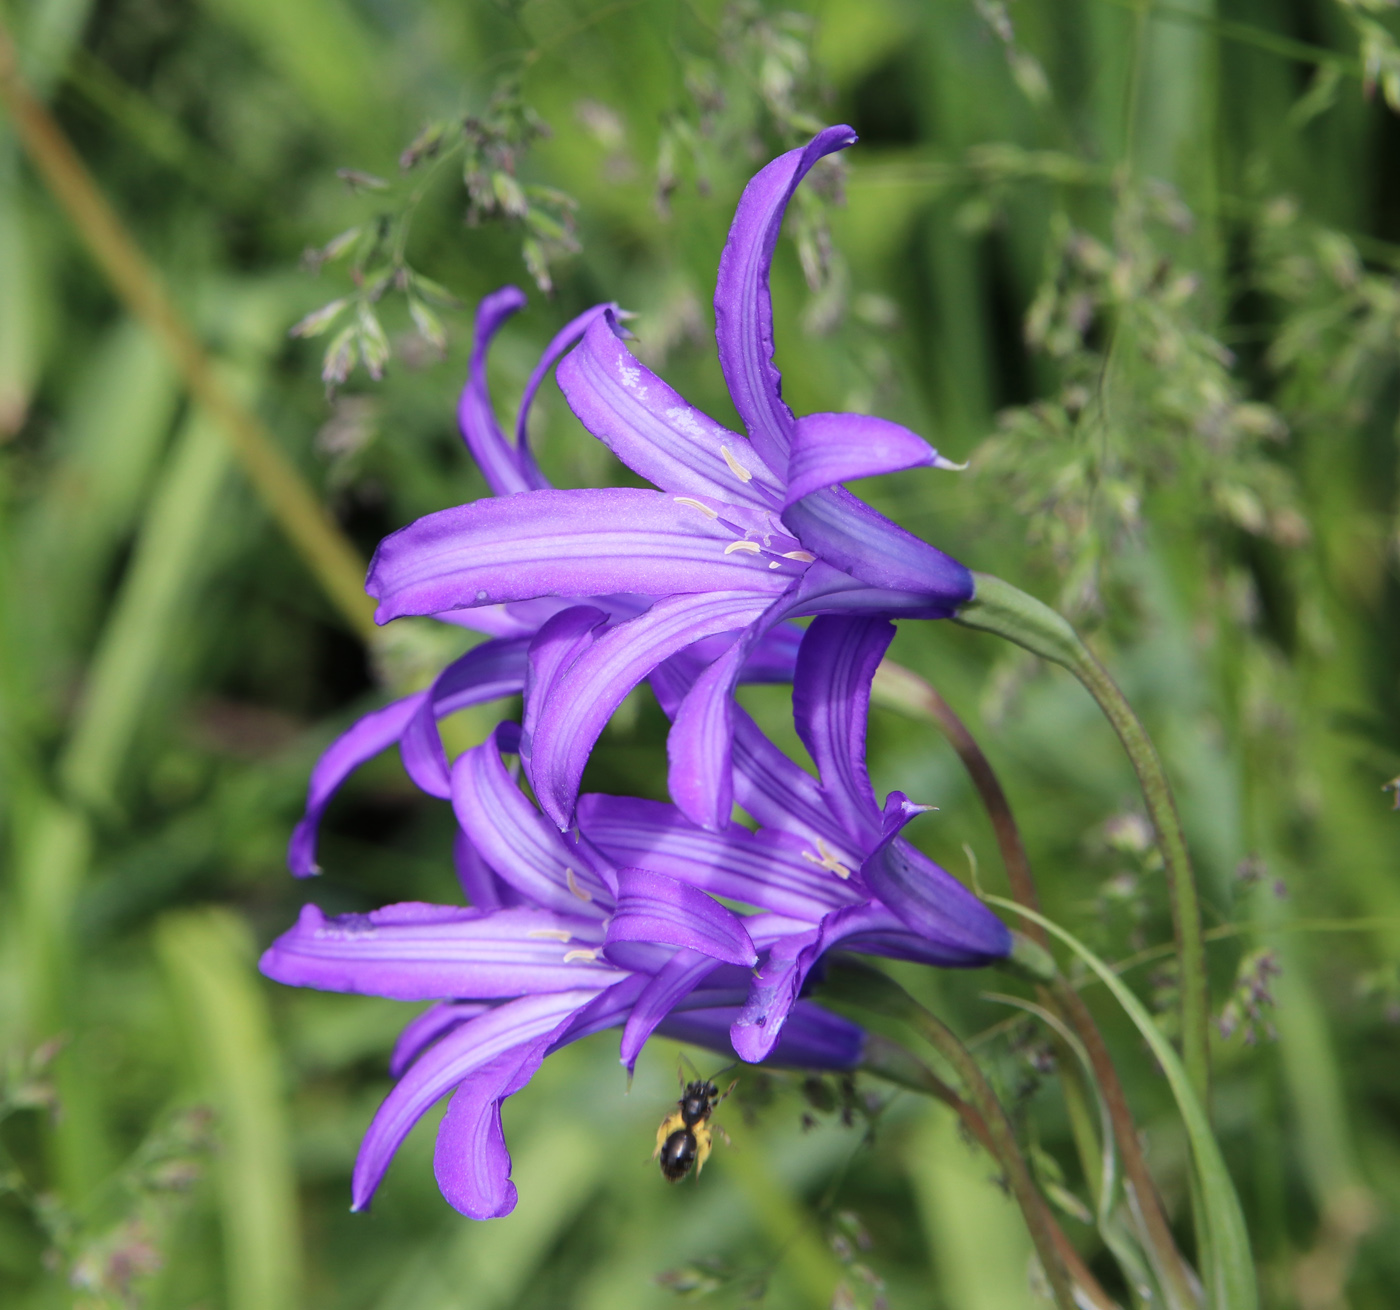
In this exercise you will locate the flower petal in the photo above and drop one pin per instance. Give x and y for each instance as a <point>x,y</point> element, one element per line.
<point>654,431</point>
<point>928,899</point>
<point>831,706</point>
<point>478,880</point>
<point>770,870</point>
<point>583,698</point>
<point>563,339</point>
<point>470,1160</point>
<point>812,1038</point>
<point>486,672</point>
<point>445,1064</point>
<point>518,842</point>
<point>377,731</point>
<point>434,1023</point>
<point>699,748</point>
<point>832,448</point>
<point>562,543</point>
<point>418,952</point>
<point>501,464</point>
<point>743,306</point>
<point>557,645</point>
<point>777,984</point>
<point>848,534</point>
<point>676,979</point>
<point>654,908</point>
<point>778,794</point>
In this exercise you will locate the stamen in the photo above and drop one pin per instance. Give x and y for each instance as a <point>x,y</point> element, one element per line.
<point>801,556</point>
<point>554,934</point>
<point>773,564</point>
<point>826,859</point>
<point>736,468</point>
<point>588,956</point>
<point>582,893</point>
<point>704,509</point>
<point>747,547</point>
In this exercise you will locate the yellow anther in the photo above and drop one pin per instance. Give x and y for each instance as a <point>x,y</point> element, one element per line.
<point>825,858</point>
<point>747,547</point>
<point>554,934</point>
<point>801,556</point>
<point>704,509</point>
<point>736,468</point>
<point>588,956</point>
<point>582,893</point>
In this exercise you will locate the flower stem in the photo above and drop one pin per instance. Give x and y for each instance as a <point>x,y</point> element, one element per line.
<point>889,1060</point>
<point>857,984</point>
<point>315,536</point>
<point>903,689</point>
<point>1000,608</point>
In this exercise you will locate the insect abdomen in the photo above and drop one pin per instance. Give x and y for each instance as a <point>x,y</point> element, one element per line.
<point>678,1154</point>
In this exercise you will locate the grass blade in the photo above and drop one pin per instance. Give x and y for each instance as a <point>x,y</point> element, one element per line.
<point>1220,1226</point>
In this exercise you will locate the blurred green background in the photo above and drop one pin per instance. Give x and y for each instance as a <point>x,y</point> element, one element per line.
<point>1137,261</point>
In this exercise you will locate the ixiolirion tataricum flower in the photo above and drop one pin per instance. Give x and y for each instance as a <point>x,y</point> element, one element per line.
<point>617,923</point>
<point>559,943</point>
<point>740,533</point>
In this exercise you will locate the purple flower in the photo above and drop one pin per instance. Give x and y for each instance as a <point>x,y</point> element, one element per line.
<point>740,534</point>
<point>827,856</point>
<point>560,942</point>
<point>497,667</point>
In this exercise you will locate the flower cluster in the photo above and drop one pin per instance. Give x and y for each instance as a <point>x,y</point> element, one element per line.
<point>588,912</point>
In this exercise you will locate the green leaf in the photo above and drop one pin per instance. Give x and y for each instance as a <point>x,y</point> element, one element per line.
<point>1220,1226</point>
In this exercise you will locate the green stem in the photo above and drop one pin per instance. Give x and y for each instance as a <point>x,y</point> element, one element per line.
<point>889,1060</point>
<point>1000,608</point>
<point>902,689</point>
<point>862,986</point>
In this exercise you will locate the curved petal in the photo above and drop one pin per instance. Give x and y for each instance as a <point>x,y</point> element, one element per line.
<point>848,534</point>
<point>699,748</point>
<point>445,1064</point>
<point>434,1023</point>
<point>778,794</point>
<point>743,306</point>
<point>831,706</point>
<point>832,448</point>
<point>776,986</point>
<point>654,431</point>
<point>562,340</point>
<point>478,880</point>
<point>518,842</point>
<point>501,465</point>
<point>557,645</point>
<point>486,672</point>
<point>563,543</point>
<point>654,908</point>
<point>584,697</point>
<point>812,1038</point>
<point>377,731</point>
<point>680,976</point>
<point>470,1160</point>
<point>770,870</point>
<point>418,952</point>
<point>929,900</point>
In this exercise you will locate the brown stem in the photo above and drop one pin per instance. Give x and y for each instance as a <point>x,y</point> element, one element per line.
<point>904,687</point>
<point>895,683</point>
<point>858,984</point>
<point>890,1060</point>
<point>313,533</point>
